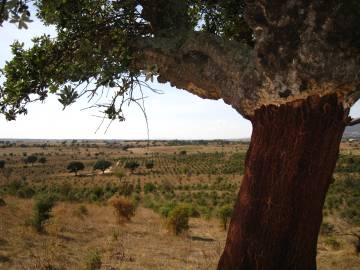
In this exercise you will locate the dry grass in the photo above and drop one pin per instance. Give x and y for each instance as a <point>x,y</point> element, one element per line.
<point>144,243</point>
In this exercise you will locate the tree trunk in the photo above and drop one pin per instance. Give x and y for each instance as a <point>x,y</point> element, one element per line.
<point>288,169</point>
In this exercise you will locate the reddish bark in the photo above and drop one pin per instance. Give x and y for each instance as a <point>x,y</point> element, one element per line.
<point>288,169</point>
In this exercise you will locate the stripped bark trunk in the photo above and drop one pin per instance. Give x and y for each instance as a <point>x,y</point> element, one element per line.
<point>289,166</point>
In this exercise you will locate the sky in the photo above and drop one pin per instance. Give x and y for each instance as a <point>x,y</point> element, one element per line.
<point>175,114</point>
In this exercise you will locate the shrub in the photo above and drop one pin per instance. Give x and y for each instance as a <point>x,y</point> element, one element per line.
<point>93,260</point>
<point>42,211</point>
<point>42,160</point>
<point>178,219</point>
<point>75,166</point>
<point>166,186</point>
<point>126,189</point>
<point>25,192</point>
<point>149,187</point>
<point>102,165</point>
<point>138,186</point>
<point>326,228</point>
<point>149,164</point>
<point>193,211</point>
<point>14,186</point>
<point>333,243</point>
<point>2,164</point>
<point>124,208</point>
<point>31,159</point>
<point>166,208</point>
<point>131,165</point>
<point>225,214</point>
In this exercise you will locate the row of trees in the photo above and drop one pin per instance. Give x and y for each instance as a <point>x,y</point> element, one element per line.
<point>28,160</point>
<point>76,166</point>
<point>103,165</point>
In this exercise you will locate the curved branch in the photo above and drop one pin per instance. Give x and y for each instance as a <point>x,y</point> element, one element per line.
<point>353,122</point>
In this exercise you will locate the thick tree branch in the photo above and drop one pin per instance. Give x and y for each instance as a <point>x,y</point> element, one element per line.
<point>353,122</point>
<point>203,65</point>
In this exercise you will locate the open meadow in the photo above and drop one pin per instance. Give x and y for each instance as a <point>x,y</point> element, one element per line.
<point>134,205</point>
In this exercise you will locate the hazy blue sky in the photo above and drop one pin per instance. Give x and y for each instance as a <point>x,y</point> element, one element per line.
<point>176,114</point>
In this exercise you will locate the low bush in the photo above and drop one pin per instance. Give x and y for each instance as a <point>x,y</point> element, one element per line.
<point>41,211</point>
<point>178,219</point>
<point>126,188</point>
<point>166,208</point>
<point>149,187</point>
<point>333,243</point>
<point>326,228</point>
<point>124,208</point>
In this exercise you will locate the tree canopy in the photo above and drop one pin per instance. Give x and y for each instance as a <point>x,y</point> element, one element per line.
<point>97,47</point>
<point>75,166</point>
<point>102,165</point>
<point>242,52</point>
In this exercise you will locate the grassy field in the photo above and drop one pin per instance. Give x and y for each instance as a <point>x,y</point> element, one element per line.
<point>84,232</point>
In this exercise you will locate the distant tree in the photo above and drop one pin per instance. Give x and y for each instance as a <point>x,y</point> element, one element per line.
<point>132,165</point>
<point>149,164</point>
<point>42,160</point>
<point>75,166</point>
<point>182,152</point>
<point>102,165</point>
<point>31,159</point>
<point>225,214</point>
<point>2,164</point>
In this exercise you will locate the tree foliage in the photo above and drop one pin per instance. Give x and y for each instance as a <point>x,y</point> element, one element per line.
<point>94,49</point>
<point>132,165</point>
<point>102,165</point>
<point>31,159</point>
<point>106,46</point>
<point>42,160</point>
<point>75,166</point>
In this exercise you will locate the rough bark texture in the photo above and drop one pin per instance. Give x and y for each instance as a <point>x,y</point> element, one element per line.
<point>302,49</point>
<point>204,65</point>
<point>289,166</point>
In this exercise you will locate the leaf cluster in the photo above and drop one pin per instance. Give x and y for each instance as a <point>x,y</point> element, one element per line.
<point>93,51</point>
